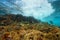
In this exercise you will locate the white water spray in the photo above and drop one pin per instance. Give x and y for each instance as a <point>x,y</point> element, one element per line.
<point>36,8</point>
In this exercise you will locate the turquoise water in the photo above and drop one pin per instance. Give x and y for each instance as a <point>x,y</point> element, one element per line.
<point>53,19</point>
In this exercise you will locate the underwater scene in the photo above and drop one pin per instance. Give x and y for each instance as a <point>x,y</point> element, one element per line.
<point>29,19</point>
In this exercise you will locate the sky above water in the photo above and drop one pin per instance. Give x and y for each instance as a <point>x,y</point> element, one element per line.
<point>44,10</point>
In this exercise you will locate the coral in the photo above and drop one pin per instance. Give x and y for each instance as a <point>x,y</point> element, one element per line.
<point>25,30</point>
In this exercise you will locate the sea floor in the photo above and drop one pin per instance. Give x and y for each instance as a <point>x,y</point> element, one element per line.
<point>26,31</point>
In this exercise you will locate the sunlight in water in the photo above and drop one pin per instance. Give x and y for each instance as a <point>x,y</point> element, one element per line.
<point>36,8</point>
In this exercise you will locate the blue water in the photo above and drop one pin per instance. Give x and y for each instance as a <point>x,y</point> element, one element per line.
<point>55,18</point>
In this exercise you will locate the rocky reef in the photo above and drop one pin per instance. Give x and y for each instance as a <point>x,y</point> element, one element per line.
<point>18,27</point>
